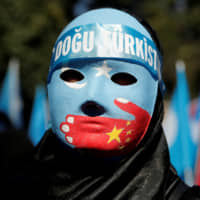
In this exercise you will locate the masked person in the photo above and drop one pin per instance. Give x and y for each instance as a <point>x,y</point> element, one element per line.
<point>105,94</point>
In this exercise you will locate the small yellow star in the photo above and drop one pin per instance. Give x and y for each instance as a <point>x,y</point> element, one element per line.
<point>129,132</point>
<point>114,135</point>
<point>128,140</point>
<point>128,123</point>
<point>121,146</point>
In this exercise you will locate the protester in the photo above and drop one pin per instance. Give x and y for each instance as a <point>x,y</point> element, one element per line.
<point>105,94</point>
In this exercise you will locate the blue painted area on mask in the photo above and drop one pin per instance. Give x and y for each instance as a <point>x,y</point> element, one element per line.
<point>64,100</point>
<point>106,16</point>
<point>106,41</point>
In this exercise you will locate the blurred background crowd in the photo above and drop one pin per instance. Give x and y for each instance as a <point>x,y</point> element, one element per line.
<point>28,30</point>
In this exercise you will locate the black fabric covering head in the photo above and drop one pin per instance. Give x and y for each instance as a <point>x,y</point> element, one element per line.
<point>140,175</point>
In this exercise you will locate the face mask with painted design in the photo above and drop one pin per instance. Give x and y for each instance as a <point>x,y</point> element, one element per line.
<point>103,101</point>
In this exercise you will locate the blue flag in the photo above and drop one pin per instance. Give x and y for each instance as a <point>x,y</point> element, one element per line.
<point>182,146</point>
<point>11,103</point>
<point>39,116</point>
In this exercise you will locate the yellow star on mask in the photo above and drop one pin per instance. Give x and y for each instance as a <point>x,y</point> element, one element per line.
<point>114,135</point>
<point>128,140</point>
<point>128,123</point>
<point>121,147</point>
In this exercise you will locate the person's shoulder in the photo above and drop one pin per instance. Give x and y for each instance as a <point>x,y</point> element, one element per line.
<point>177,189</point>
<point>192,193</point>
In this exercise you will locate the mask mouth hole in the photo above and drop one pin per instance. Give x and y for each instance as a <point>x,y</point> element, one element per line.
<point>71,76</point>
<point>92,109</point>
<point>123,78</point>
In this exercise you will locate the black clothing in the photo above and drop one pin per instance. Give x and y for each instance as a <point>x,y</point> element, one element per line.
<point>61,173</point>
<point>14,145</point>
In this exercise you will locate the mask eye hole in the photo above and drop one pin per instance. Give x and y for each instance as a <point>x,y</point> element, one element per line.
<point>123,78</point>
<point>71,76</point>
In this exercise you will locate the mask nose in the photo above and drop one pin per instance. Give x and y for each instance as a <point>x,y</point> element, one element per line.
<point>92,109</point>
